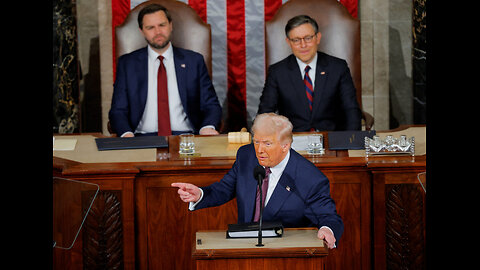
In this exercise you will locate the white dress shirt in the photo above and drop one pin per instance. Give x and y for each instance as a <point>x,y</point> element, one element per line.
<point>276,173</point>
<point>313,68</point>
<point>178,117</point>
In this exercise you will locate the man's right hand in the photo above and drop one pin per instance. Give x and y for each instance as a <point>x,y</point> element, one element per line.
<point>128,134</point>
<point>188,192</point>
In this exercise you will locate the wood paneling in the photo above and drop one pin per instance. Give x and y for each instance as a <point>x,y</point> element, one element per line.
<point>157,228</point>
<point>164,211</point>
<point>399,219</point>
<point>351,192</point>
<point>116,194</point>
<point>170,226</point>
<point>404,226</point>
<point>262,264</point>
<point>103,232</point>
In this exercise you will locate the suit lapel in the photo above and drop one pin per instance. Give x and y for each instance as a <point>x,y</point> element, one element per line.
<point>297,85</point>
<point>279,196</point>
<point>283,190</point>
<point>142,73</point>
<point>181,73</point>
<point>320,79</point>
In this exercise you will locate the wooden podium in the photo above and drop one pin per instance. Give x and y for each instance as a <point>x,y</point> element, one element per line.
<point>299,248</point>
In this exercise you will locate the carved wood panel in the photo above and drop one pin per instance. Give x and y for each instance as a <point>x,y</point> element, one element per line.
<point>103,233</point>
<point>404,226</point>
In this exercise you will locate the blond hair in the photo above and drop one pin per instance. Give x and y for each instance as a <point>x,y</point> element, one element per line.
<point>274,123</point>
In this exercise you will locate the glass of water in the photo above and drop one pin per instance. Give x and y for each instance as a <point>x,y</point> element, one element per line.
<point>187,145</point>
<point>315,144</point>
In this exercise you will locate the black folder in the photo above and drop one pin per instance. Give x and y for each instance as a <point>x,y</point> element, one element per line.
<point>119,143</point>
<point>250,230</point>
<point>348,140</point>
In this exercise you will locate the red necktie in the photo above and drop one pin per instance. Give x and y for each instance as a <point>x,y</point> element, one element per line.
<point>162,101</point>
<point>308,87</point>
<point>264,195</point>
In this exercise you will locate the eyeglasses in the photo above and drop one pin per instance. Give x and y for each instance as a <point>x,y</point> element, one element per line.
<point>307,39</point>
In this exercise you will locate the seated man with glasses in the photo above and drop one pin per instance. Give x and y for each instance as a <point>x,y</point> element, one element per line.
<point>314,90</point>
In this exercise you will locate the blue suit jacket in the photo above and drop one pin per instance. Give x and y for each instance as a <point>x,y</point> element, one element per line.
<point>335,105</point>
<point>195,87</point>
<point>306,204</point>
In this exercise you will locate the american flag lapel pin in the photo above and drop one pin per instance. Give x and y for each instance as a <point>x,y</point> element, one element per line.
<point>287,188</point>
<point>182,65</point>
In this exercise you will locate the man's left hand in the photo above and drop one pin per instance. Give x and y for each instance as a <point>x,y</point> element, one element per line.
<point>327,235</point>
<point>208,131</point>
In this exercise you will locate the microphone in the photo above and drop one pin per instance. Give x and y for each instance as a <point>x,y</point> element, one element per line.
<point>259,174</point>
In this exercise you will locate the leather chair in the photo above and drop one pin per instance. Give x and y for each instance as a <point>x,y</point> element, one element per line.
<point>340,37</point>
<point>189,32</point>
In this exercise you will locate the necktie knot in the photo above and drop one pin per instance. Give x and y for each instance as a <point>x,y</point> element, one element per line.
<point>160,57</point>
<point>267,172</point>
<point>307,69</point>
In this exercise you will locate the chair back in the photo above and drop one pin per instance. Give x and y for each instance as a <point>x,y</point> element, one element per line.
<point>189,31</point>
<point>340,34</point>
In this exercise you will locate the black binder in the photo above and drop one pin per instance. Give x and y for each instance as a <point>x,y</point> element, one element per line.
<point>119,143</point>
<point>350,139</point>
<point>250,230</point>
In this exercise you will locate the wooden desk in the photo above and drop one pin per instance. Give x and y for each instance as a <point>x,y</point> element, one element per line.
<point>297,249</point>
<point>156,229</point>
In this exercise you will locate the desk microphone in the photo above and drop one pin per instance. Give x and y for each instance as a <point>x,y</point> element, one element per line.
<point>259,174</point>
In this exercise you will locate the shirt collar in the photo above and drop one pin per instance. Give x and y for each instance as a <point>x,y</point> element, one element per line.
<point>312,64</point>
<point>278,169</point>
<point>153,55</point>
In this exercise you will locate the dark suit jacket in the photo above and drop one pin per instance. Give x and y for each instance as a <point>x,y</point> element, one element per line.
<point>335,106</point>
<point>306,204</point>
<point>195,87</point>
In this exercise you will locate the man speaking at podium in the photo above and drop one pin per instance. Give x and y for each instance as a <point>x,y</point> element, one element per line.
<point>298,193</point>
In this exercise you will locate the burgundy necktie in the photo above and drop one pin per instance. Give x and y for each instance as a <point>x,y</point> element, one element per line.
<point>162,101</point>
<point>308,87</point>
<point>264,195</point>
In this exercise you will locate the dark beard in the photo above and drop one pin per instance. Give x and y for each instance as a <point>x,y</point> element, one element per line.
<point>159,46</point>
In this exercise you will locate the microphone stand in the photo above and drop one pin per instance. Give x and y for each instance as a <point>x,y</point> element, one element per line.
<point>260,182</point>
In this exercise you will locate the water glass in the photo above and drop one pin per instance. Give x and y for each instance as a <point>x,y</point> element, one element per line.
<point>315,144</point>
<point>187,145</point>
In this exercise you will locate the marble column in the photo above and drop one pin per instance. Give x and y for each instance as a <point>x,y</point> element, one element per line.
<point>400,64</point>
<point>419,60</point>
<point>65,68</point>
<point>374,26</point>
<point>106,64</point>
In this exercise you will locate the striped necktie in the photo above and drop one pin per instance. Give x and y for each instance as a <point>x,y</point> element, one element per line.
<point>308,87</point>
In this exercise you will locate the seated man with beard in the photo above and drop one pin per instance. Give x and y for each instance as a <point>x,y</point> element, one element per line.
<point>161,89</point>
